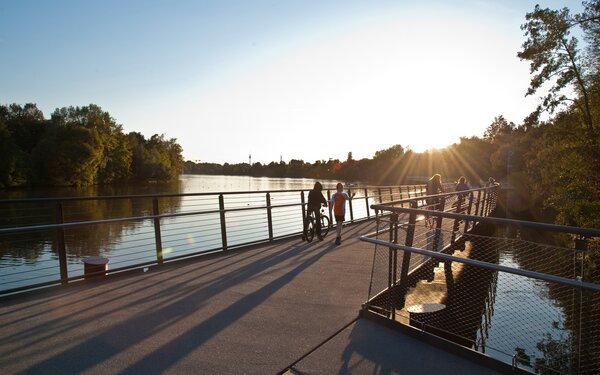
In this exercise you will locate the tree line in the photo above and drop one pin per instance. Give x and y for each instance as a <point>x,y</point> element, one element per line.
<point>79,146</point>
<point>394,165</point>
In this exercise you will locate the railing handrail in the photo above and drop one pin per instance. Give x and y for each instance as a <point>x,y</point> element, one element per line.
<point>170,195</point>
<point>491,266</point>
<point>587,232</point>
<point>71,224</point>
<point>446,194</point>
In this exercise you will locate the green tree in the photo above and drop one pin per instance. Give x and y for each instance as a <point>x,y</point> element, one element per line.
<point>562,174</point>
<point>67,156</point>
<point>563,157</point>
<point>555,58</point>
<point>21,128</point>
<point>499,130</point>
<point>9,172</point>
<point>26,124</point>
<point>116,154</point>
<point>155,159</point>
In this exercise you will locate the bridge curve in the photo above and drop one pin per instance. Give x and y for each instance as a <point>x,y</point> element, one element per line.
<point>252,311</point>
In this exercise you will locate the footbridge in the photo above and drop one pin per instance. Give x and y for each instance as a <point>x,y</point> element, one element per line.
<point>413,289</point>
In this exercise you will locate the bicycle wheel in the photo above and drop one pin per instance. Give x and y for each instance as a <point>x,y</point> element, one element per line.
<point>325,225</point>
<point>310,230</point>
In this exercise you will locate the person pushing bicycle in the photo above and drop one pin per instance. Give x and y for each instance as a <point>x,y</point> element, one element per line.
<point>315,200</point>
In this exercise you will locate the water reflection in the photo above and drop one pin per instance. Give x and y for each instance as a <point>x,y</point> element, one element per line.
<point>32,257</point>
<point>540,325</point>
<point>534,322</point>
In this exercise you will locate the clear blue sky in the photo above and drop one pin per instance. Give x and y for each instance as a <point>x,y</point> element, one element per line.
<point>229,78</point>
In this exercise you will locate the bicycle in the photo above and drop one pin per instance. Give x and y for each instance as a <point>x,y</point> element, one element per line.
<point>311,227</point>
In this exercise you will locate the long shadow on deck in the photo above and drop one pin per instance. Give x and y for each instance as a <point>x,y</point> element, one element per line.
<point>62,324</point>
<point>183,302</point>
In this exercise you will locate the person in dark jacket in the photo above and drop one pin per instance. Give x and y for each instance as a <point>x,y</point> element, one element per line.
<point>461,185</point>
<point>315,200</point>
<point>434,187</point>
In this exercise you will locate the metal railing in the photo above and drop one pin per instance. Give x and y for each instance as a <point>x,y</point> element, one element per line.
<point>525,293</point>
<point>43,241</point>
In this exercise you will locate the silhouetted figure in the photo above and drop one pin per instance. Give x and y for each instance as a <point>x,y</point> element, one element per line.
<point>461,185</point>
<point>338,203</point>
<point>315,200</point>
<point>434,186</point>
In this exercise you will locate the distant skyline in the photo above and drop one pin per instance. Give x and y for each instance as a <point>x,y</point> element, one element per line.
<point>293,79</point>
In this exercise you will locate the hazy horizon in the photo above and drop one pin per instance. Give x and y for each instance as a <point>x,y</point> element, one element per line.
<point>229,79</point>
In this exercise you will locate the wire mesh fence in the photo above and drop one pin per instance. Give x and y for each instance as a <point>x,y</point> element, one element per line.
<point>523,294</point>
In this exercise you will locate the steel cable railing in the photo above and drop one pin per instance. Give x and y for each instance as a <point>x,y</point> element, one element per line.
<point>510,293</point>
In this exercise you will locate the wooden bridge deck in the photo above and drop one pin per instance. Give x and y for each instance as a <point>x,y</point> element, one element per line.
<point>249,311</point>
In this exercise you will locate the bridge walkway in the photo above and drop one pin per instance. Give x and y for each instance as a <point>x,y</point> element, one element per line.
<point>251,311</point>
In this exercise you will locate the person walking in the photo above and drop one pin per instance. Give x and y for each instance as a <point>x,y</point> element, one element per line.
<point>434,187</point>
<point>315,200</point>
<point>461,185</point>
<point>338,204</point>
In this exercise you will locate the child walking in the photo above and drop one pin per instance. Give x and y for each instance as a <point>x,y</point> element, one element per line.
<point>338,204</point>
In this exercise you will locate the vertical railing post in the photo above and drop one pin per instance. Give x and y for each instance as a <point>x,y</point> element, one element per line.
<point>367,202</point>
<point>303,208</point>
<point>391,194</point>
<point>493,198</point>
<point>157,235</point>
<point>436,246</point>
<point>269,216</point>
<point>401,197</point>
<point>469,211</point>
<point>60,244</point>
<point>485,203</point>
<point>379,193</point>
<point>581,247</point>
<point>223,224</point>
<point>456,223</point>
<point>329,206</point>
<point>477,203</point>
<point>410,235</point>
<point>350,205</point>
<point>393,264</point>
<point>582,305</point>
